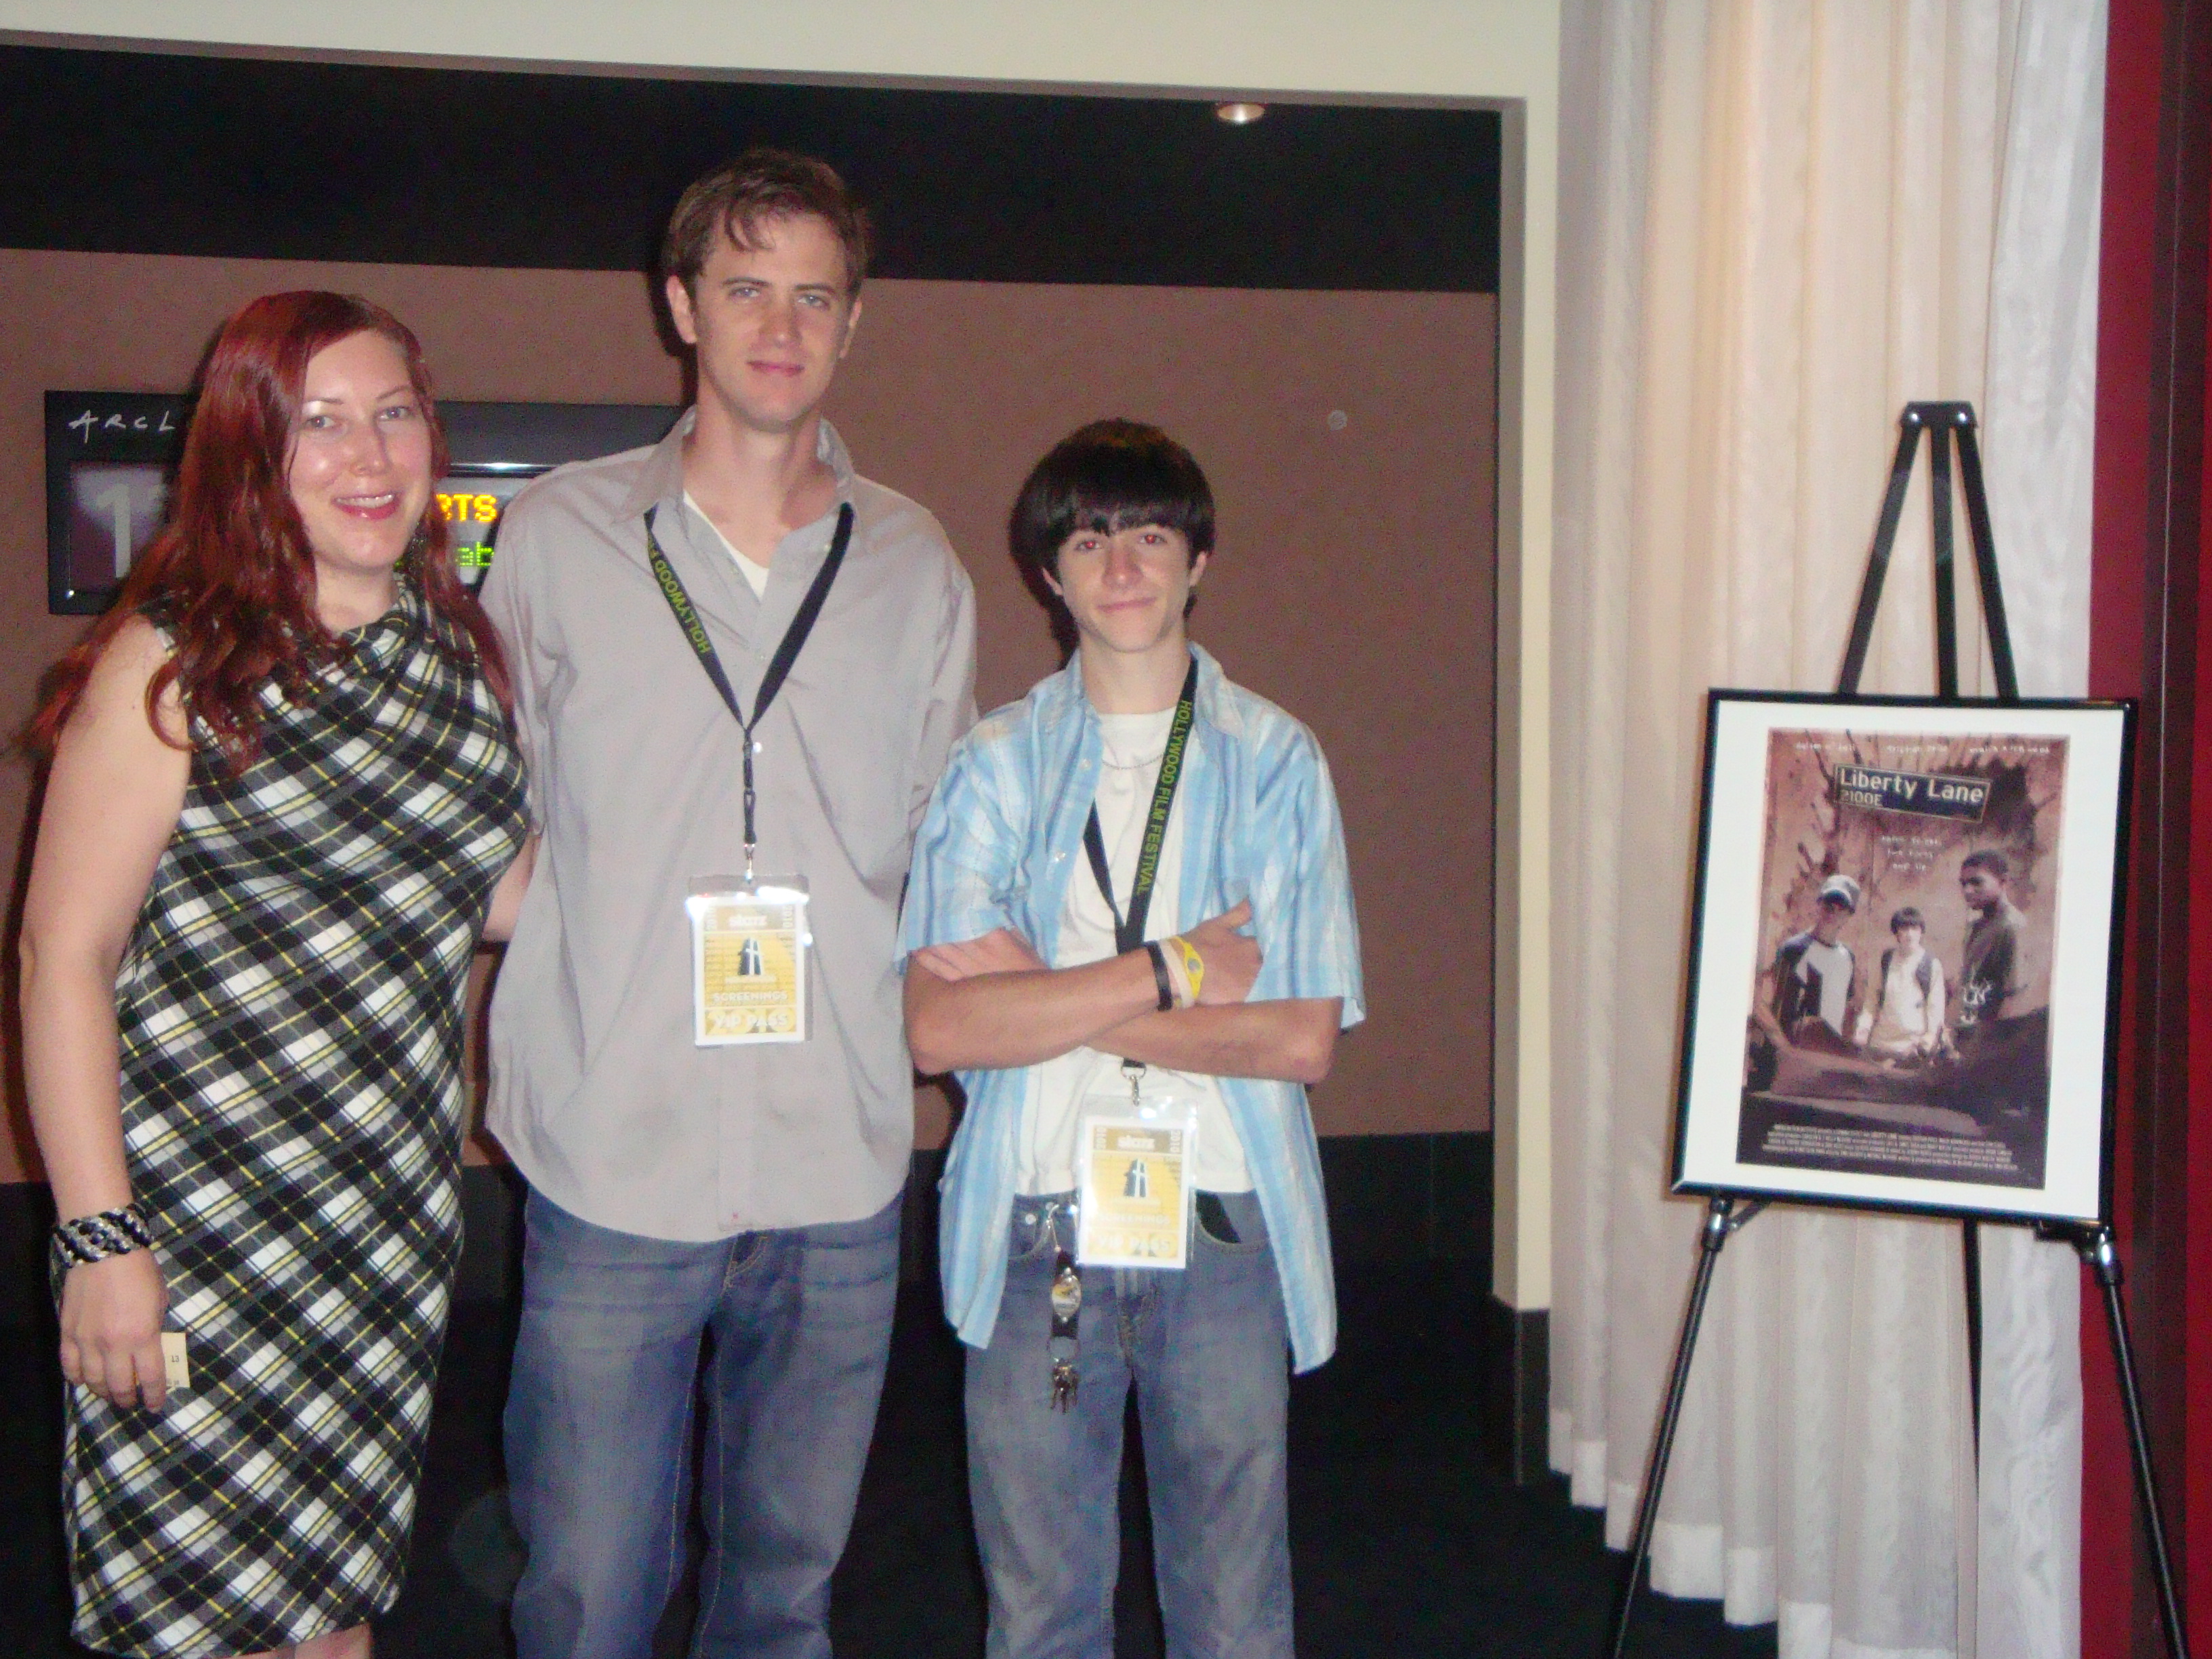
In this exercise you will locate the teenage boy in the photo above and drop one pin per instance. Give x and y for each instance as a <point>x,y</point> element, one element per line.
<point>1989,970</point>
<point>1811,980</point>
<point>1075,950</point>
<point>1907,1017</point>
<point>1908,1000</point>
<point>729,639</point>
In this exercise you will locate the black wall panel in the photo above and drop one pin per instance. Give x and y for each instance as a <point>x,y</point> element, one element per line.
<point>154,153</point>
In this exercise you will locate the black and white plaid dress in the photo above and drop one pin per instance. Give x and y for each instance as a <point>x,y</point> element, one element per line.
<point>290,1009</point>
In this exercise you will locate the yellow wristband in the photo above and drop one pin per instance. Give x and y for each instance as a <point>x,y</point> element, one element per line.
<point>1193,965</point>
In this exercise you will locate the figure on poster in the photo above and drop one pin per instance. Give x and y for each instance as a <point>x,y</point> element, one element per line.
<point>1814,975</point>
<point>1989,970</point>
<point>1907,1018</point>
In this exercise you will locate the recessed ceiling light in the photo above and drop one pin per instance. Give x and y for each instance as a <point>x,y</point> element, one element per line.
<point>1240,114</point>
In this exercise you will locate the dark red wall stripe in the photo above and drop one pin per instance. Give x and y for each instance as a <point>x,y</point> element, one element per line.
<point>2148,609</point>
<point>2134,53</point>
<point>2193,1483</point>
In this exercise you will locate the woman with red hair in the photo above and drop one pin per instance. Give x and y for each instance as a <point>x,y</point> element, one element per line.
<point>283,804</point>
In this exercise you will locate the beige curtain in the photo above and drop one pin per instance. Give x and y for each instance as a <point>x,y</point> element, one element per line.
<point>1781,220</point>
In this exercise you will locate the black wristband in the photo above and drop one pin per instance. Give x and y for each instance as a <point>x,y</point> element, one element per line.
<point>1160,975</point>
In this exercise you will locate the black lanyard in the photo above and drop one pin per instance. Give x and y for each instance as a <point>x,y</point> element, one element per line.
<point>1129,930</point>
<point>779,665</point>
<point>1128,934</point>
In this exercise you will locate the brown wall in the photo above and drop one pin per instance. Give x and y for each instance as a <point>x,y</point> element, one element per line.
<point>1354,583</point>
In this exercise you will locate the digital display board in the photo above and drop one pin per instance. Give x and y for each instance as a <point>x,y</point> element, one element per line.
<point>472,500</point>
<point>110,456</point>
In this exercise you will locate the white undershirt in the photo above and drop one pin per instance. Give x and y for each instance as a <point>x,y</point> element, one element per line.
<point>1130,767</point>
<point>755,575</point>
<point>1903,1006</point>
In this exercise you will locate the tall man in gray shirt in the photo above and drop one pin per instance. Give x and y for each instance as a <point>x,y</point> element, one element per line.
<point>684,1189</point>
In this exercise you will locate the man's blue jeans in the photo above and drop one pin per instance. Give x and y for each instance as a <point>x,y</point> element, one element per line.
<point>599,1429</point>
<point>1206,1349</point>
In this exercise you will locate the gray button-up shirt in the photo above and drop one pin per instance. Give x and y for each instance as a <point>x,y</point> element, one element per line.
<point>597,1090</point>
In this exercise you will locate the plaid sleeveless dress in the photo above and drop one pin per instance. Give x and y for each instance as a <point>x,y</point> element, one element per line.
<point>291,1008</point>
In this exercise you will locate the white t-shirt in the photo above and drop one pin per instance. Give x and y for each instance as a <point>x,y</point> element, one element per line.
<point>1906,1012</point>
<point>755,575</point>
<point>1130,769</point>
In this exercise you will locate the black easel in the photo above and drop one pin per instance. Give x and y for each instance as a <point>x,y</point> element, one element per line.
<point>1726,1213</point>
<point>1939,421</point>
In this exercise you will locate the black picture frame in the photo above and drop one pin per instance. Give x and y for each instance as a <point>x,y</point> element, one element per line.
<point>109,458</point>
<point>1790,1090</point>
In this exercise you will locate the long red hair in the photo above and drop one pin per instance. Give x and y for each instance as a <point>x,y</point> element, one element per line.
<point>231,575</point>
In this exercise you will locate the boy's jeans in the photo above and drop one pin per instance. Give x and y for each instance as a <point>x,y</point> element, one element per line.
<point>1206,1349</point>
<point>599,1428</point>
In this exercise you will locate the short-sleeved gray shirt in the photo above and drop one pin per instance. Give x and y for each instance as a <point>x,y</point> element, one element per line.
<point>597,1092</point>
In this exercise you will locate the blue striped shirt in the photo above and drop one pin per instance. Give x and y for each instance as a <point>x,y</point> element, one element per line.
<point>1004,836</point>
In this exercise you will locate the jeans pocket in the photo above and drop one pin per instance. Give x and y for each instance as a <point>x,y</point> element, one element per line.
<point>1239,1216</point>
<point>1031,1233</point>
<point>839,1254</point>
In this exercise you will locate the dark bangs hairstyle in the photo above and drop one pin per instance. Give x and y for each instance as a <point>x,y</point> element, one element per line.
<point>1109,476</point>
<point>231,575</point>
<point>731,202</point>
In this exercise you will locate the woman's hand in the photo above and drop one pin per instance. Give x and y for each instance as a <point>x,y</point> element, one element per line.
<point>112,1329</point>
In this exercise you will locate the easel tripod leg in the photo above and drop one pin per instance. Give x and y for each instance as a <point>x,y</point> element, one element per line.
<point>2102,1259</point>
<point>1970,1262</point>
<point>1723,1217</point>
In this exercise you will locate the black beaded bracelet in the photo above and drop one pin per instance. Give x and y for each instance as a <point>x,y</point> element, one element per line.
<point>1160,975</point>
<point>96,1237</point>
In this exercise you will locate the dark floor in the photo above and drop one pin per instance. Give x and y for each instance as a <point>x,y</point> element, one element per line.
<point>1405,1543</point>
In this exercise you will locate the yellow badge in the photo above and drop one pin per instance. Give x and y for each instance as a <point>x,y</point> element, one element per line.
<point>748,961</point>
<point>1134,1191</point>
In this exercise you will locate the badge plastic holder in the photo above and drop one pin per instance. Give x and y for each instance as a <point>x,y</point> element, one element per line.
<point>1133,1160</point>
<point>749,944</point>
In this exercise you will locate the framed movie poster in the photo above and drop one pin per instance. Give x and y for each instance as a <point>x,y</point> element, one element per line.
<point>1903,954</point>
